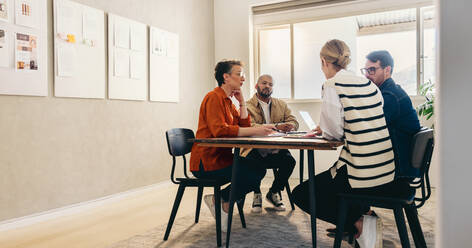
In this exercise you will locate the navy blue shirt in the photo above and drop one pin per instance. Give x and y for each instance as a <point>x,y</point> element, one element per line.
<point>402,123</point>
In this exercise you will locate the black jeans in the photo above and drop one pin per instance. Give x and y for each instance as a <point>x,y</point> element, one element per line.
<point>282,161</point>
<point>327,189</point>
<point>249,177</point>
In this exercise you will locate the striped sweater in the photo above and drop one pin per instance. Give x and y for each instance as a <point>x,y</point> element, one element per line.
<point>367,151</point>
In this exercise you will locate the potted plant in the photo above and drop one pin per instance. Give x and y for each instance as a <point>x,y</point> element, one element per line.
<point>426,109</point>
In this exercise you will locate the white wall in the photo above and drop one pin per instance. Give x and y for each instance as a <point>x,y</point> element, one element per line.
<point>454,118</point>
<point>55,151</point>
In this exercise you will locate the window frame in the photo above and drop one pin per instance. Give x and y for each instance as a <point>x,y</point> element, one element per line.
<point>419,27</point>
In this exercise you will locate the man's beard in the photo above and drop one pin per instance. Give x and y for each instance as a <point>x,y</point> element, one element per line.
<point>265,93</point>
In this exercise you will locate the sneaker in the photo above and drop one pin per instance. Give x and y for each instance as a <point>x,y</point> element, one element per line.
<point>274,199</point>
<point>210,202</point>
<point>371,236</point>
<point>257,203</point>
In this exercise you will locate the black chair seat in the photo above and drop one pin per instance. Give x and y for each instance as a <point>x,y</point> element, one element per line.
<point>201,182</point>
<point>379,201</point>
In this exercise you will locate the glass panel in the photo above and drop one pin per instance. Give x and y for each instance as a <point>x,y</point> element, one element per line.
<point>274,50</point>
<point>429,42</point>
<point>308,39</point>
<point>394,31</point>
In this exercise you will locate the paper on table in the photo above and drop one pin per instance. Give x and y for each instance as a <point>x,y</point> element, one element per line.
<point>69,21</point>
<point>66,60</point>
<point>26,13</point>
<point>121,33</point>
<point>90,26</point>
<point>4,58</point>
<point>121,63</point>
<point>138,37</point>
<point>137,65</point>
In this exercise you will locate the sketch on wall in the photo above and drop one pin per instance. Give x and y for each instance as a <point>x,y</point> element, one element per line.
<point>164,61</point>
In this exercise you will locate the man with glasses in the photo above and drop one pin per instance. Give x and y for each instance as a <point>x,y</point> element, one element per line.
<point>401,117</point>
<point>266,110</point>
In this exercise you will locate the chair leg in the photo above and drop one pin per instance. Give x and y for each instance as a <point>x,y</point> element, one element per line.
<point>302,157</point>
<point>415,226</point>
<point>241,213</point>
<point>217,194</point>
<point>289,193</point>
<point>178,198</point>
<point>342,213</point>
<point>401,226</point>
<point>199,203</point>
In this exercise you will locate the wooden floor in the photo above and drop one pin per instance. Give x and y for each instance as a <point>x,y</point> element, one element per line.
<point>104,225</point>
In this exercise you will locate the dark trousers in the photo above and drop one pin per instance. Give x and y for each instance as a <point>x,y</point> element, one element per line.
<point>327,189</point>
<point>249,177</point>
<point>282,161</point>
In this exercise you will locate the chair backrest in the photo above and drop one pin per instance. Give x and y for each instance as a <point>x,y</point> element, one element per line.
<point>422,151</point>
<point>179,143</point>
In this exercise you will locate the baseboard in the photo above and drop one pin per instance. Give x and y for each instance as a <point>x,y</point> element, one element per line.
<point>75,208</point>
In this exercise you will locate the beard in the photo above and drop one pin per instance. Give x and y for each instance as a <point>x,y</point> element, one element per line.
<point>265,93</point>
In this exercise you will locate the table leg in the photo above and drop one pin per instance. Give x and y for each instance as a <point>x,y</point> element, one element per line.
<point>311,183</point>
<point>232,194</point>
<point>302,164</point>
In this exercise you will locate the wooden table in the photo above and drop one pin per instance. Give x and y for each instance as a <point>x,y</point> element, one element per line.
<point>275,143</point>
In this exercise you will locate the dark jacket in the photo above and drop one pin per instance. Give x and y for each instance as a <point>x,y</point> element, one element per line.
<point>402,123</point>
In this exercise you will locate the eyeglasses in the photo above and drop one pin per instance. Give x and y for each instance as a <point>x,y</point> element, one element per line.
<point>240,74</point>
<point>370,70</point>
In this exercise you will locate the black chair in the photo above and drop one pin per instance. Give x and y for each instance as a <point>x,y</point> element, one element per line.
<point>179,142</point>
<point>422,150</point>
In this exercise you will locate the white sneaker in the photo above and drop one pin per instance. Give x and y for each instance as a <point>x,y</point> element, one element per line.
<point>276,201</point>
<point>371,236</point>
<point>210,202</point>
<point>257,203</point>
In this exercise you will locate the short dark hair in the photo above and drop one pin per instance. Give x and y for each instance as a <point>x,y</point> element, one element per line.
<point>383,56</point>
<point>224,66</point>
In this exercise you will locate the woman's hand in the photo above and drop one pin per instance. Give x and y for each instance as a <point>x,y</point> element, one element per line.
<point>262,130</point>
<point>317,131</point>
<point>239,96</point>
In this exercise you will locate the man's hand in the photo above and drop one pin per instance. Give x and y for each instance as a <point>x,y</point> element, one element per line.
<point>285,127</point>
<point>239,96</point>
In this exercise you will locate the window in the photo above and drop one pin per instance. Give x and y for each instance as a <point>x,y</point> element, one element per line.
<point>275,59</point>
<point>290,53</point>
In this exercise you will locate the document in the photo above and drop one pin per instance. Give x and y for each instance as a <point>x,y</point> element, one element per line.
<point>90,20</point>
<point>66,59</point>
<point>69,21</point>
<point>4,58</point>
<point>26,13</point>
<point>121,33</point>
<point>172,45</point>
<point>137,65</point>
<point>4,10</point>
<point>26,52</point>
<point>159,44</point>
<point>138,38</point>
<point>121,63</point>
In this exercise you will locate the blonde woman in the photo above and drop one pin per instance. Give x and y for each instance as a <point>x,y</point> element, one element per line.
<point>352,111</point>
